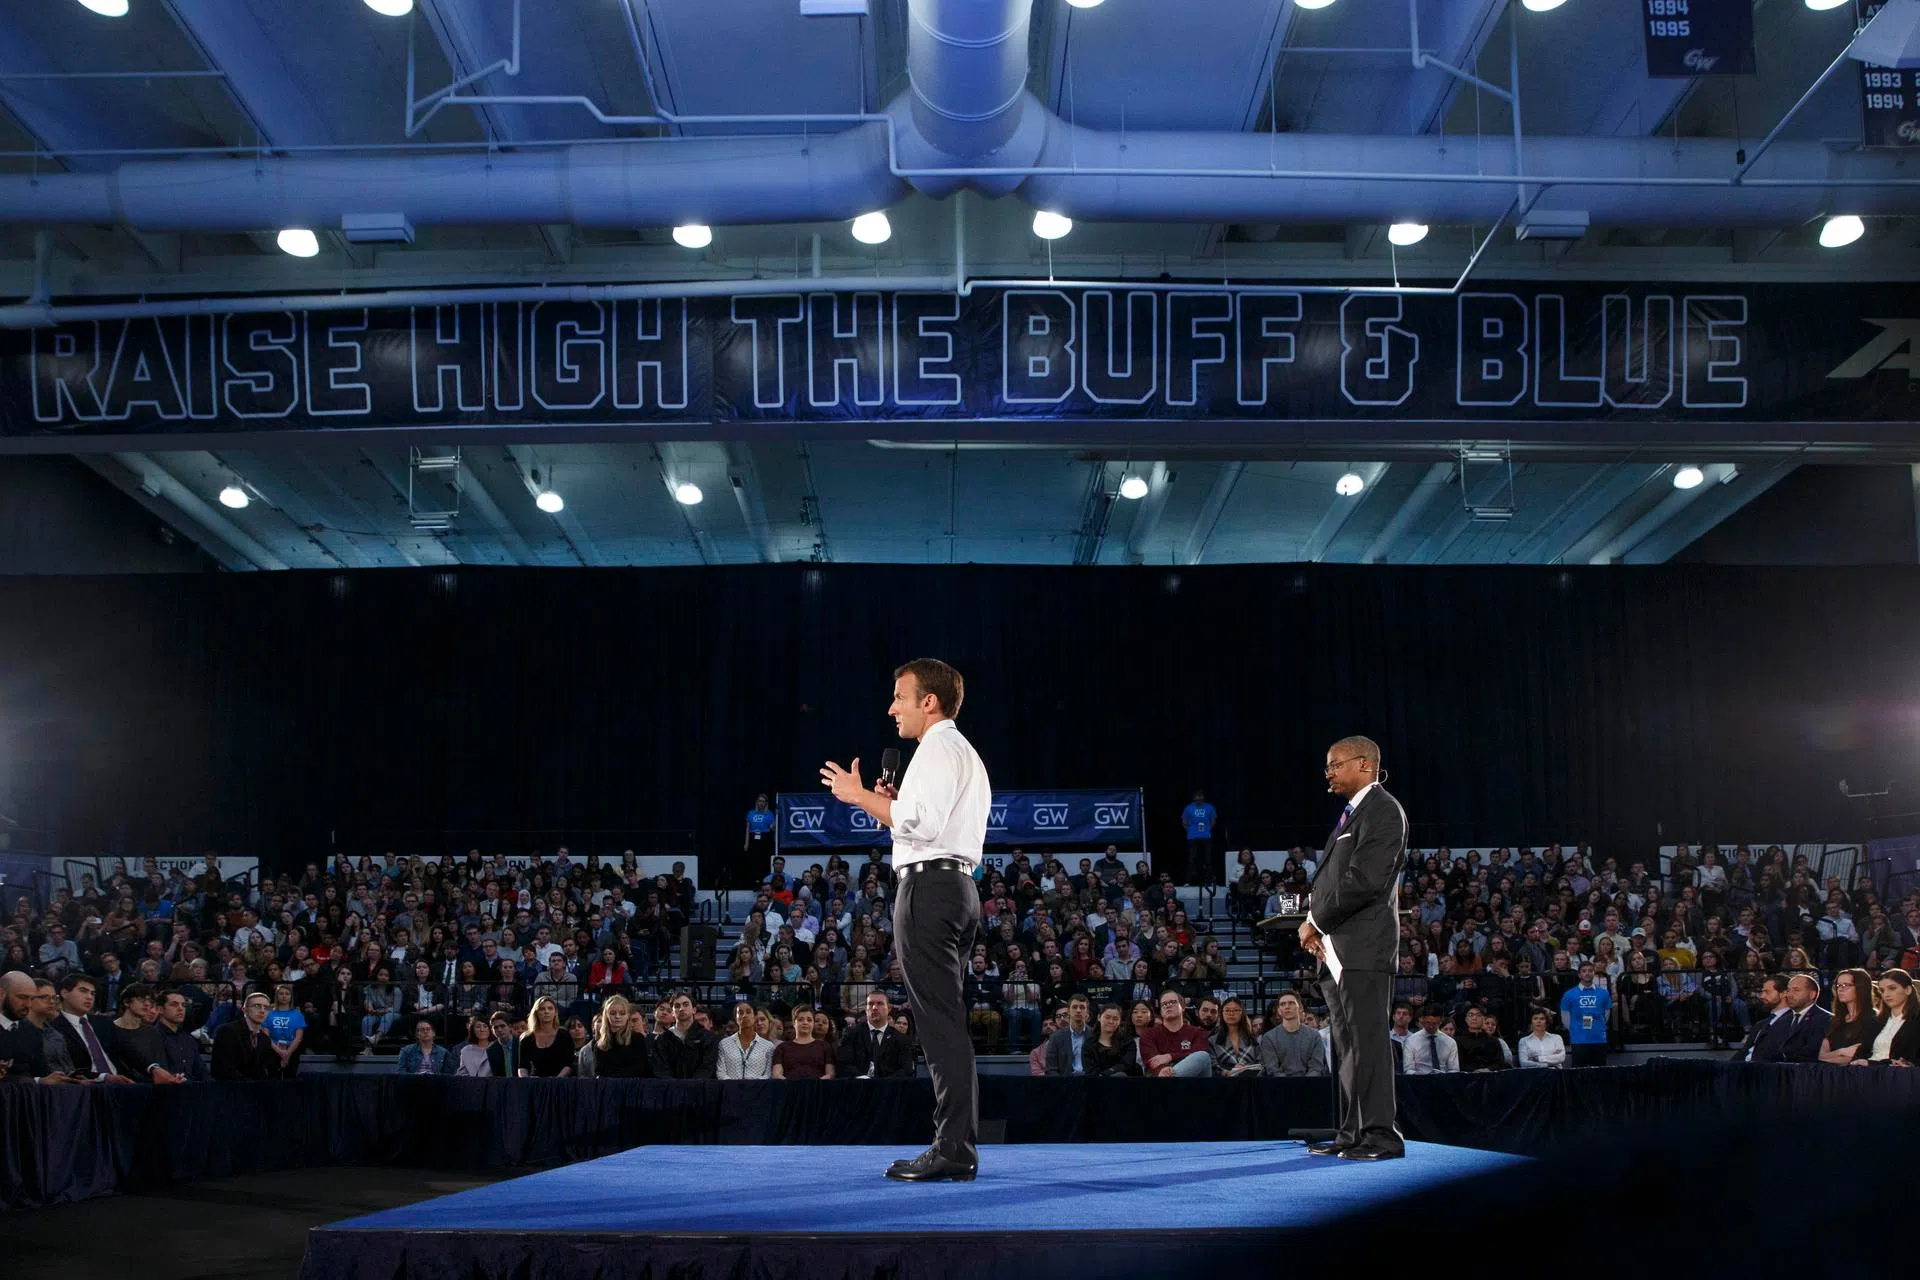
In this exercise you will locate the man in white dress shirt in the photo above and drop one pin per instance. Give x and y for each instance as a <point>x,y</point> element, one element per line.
<point>938,815</point>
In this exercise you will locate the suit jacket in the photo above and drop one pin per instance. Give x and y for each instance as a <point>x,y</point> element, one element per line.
<point>77,1047</point>
<point>894,1060</point>
<point>1906,1041</point>
<point>1802,1043</point>
<point>25,1045</point>
<point>1355,899</point>
<point>240,1055</point>
<point>1059,1057</point>
<point>1765,1038</point>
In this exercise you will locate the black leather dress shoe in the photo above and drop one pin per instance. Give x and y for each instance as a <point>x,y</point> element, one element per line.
<point>1370,1153</point>
<point>934,1166</point>
<point>1331,1147</point>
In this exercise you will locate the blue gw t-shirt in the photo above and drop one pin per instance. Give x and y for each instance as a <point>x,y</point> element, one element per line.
<point>283,1023</point>
<point>1586,1010</point>
<point>760,821</point>
<point>1199,819</point>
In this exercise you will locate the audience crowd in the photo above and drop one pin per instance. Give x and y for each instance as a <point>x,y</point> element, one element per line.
<point>554,966</point>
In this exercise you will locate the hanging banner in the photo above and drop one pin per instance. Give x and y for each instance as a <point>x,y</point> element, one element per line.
<point>1503,354</point>
<point>1889,97</point>
<point>815,820</point>
<point>1687,38</point>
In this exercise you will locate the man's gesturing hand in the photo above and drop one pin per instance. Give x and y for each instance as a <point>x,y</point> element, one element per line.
<point>844,783</point>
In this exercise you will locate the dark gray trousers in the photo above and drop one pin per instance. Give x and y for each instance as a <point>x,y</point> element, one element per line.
<point>935,915</point>
<point>1360,1007</point>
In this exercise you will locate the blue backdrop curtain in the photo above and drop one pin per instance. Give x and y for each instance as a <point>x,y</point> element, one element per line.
<point>1629,706</point>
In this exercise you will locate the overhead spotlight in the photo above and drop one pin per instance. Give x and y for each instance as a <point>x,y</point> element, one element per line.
<point>1349,484</point>
<point>234,496</point>
<point>1407,233</point>
<point>1841,229</point>
<point>1133,488</point>
<point>1820,5</point>
<point>1688,477</point>
<point>1086,4</point>
<point>106,8</point>
<point>687,494</point>
<point>391,8</point>
<point>694,235</point>
<point>1542,6</point>
<point>550,502</point>
<point>1051,226</point>
<point>1311,4</point>
<point>872,228</point>
<point>299,242</point>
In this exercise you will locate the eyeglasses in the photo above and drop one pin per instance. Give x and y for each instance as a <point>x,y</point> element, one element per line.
<point>1335,765</point>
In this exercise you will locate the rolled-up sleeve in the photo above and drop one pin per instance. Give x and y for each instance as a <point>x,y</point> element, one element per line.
<point>928,795</point>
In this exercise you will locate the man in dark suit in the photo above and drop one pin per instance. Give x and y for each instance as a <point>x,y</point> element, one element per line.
<point>1806,1023</point>
<point>1767,1036</point>
<point>873,1047</point>
<point>242,1049</point>
<point>1066,1053</point>
<point>1353,927</point>
<point>87,1034</point>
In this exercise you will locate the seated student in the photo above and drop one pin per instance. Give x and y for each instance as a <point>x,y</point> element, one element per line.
<point>423,1057</point>
<point>802,1057</point>
<point>1896,1040</point>
<point>481,1056</point>
<point>1111,1051</point>
<point>1856,1018</point>
<point>1541,1047</point>
<point>1478,1050</point>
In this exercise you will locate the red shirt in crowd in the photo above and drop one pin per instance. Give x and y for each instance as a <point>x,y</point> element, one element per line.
<point>1188,1040</point>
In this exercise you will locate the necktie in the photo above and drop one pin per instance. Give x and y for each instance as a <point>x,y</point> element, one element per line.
<point>101,1063</point>
<point>1433,1047</point>
<point>1345,814</point>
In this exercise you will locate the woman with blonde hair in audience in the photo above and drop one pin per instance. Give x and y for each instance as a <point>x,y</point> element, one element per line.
<point>545,1050</point>
<point>1606,958</point>
<point>1896,1036</point>
<point>1856,1017</point>
<point>620,1048</point>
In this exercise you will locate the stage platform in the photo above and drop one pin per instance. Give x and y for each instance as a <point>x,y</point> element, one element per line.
<point>818,1211</point>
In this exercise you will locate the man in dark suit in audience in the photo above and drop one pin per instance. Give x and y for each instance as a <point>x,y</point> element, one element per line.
<point>1066,1049</point>
<point>242,1050</point>
<point>86,1034</point>
<point>1806,1022</point>
<point>23,1029</point>
<point>180,1052</point>
<point>873,1047</point>
<point>1766,1037</point>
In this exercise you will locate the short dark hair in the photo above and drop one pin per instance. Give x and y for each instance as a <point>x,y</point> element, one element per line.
<point>138,991</point>
<point>73,980</point>
<point>937,678</point>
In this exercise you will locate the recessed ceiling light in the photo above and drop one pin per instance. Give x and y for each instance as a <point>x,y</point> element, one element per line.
<point>1349,484</point>
<point>1051,226</point>
<point>391,8</point>
<point>299,242</point>
<point>694,235</point>
<point>1688,478</point>
<point>1311,4</point>
<point>1818,5</point>
<point>687,494</point>
<point>1133,488</point>
<point>872,228</point>
<point>106,8</point>
<point>1841,229</point>
<point>1085,4</point>
<point>1541,6</point>
<point>234,496</point>
<point>550,502</point>
<point>1407,233</point>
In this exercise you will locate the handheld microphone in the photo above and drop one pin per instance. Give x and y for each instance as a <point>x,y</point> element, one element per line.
<point>889,765</point>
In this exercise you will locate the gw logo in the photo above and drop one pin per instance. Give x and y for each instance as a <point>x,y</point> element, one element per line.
<point>1893,348</point>
<point>1108,816</point>
<point>1700,60</point>
<point>997,817</point>
<point>861,820</point>
<point>1050,815</point>
<point>807,819</point>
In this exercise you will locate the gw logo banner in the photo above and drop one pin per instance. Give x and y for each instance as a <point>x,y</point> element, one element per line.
<point>1014,818</point>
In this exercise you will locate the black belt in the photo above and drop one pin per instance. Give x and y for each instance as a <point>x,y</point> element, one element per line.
<point>937,864</point>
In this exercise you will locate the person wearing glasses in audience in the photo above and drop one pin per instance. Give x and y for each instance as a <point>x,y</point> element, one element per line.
<point>1856,1018</point>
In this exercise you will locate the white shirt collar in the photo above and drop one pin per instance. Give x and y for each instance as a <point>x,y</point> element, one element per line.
<point>1360,795</point>
<point>935,727</point>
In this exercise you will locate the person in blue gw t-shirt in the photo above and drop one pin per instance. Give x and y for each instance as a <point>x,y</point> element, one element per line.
<point>1199,819</point>
<point>1585,1010</point>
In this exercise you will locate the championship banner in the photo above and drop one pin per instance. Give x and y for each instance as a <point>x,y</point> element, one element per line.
<point>1493,355</point>
<point>815,820</point>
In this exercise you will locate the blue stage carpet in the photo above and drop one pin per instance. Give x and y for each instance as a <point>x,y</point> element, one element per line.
<point>827,1211</point>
